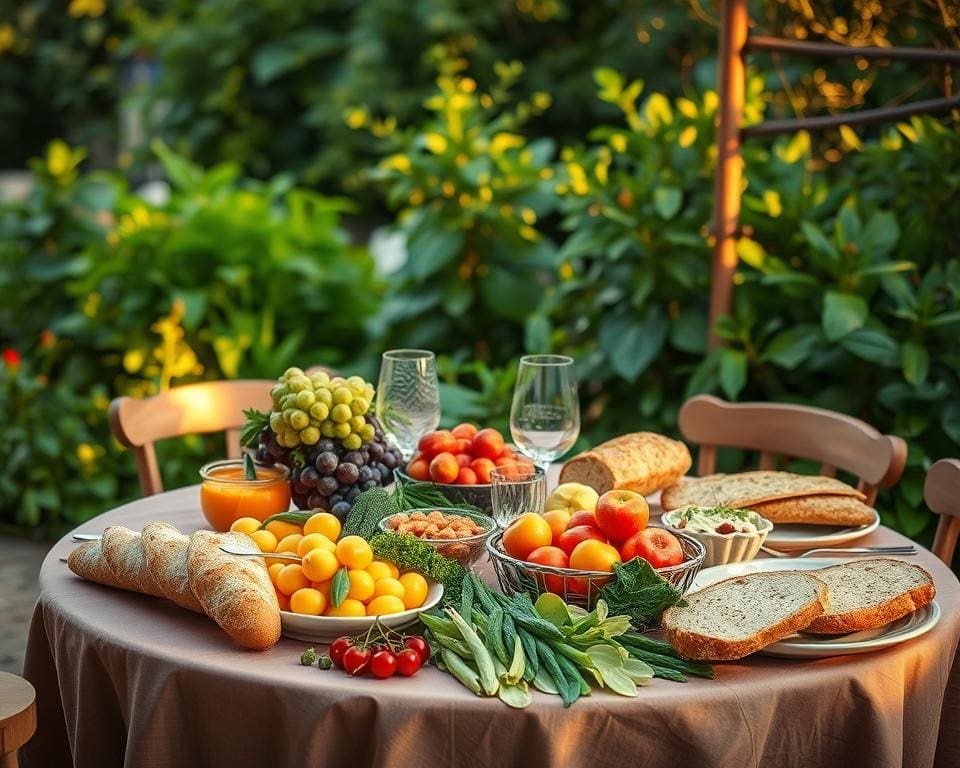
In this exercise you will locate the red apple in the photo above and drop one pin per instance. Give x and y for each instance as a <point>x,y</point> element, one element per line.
<point>658,547</point>
<point>572,536</point>
<point>621,514</point>
<point>582,517</point>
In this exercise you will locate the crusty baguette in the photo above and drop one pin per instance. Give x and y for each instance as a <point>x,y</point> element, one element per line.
<point>235,592</point>
<point>166,549</point>
<point>816,510</point>
<point>865,594</point>
<point>641,462</point>
<point>123,551</point>
<point>87,561</point>
<point>738,616</point>
<point>744,489</point>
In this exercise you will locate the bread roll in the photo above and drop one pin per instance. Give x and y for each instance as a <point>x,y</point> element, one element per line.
<point>87,561</point>
<point>166,549</point>
<point>236,592</point>
<point>123,551</point>
<point>641,462</point>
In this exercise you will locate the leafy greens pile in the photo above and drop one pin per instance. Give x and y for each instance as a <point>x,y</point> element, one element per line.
<point>638,592</point>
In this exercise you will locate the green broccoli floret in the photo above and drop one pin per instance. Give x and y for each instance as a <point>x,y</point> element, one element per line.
<point>410,553</point>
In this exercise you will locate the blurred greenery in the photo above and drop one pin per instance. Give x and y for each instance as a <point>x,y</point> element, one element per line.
<point>548,165</point>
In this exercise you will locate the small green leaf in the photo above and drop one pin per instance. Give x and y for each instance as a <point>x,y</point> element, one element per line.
<point>249,468</point>
<point>874,346</point>
<point>791,347</point>
<point>843,313</point>
<point>950,420</point>
<point>340,587</point>
<point>667,201</point>
<point>915,361</point>
<point>552,608</point>
<point>733,372</point>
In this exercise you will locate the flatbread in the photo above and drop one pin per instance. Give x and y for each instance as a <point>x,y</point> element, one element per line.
<point>748,488</point>
<point>817,510</point>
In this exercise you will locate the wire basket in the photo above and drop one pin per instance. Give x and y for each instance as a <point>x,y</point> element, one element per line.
<point>466,550</point>
<point>581,587</point>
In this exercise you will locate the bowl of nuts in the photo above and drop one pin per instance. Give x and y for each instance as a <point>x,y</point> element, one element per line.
<point>454,533</point>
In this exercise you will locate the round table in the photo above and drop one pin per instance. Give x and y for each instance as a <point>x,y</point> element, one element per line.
<point>124,679</point>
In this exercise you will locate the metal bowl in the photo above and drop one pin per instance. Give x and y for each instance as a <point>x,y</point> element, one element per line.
<point>478,495</point>
<point>465,551</point>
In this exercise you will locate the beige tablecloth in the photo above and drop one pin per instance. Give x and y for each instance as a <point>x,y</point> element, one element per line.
<point>124,679</point>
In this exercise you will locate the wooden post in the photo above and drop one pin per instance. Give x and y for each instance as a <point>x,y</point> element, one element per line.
<point>726,205</point>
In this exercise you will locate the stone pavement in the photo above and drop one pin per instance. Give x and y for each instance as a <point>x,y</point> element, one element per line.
<point>19,567</point>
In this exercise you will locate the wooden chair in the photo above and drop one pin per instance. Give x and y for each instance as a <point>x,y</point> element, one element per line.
<point>18,717</point>
<point>941,491</point>
<point>215,406</point>
<point>779,431</point>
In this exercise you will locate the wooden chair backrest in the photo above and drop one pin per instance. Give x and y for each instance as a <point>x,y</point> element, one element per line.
<point>941,491</point>
<point>214,406</point>
<point>782,431</point>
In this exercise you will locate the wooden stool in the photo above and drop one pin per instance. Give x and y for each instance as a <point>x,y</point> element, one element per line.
<point>18,716</point>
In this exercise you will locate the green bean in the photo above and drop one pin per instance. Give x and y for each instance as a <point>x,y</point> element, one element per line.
<point>646,643</point>
<point>572,674</point>
<point>482,594</point>
<point>535,625</point>
<point>494,635</point>
<point>568,692</point>
<point>461,670</point>
<point>440,626</point>
<point>686,667</point>
<point>667,674</point>
<point>457,646</point>
<point>466,600</point>
<point>529,648</point>
<point>488,676</point>
<point>576,656</point>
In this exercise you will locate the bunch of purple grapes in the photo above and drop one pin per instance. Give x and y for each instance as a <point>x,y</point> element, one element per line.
<point>332,475</point>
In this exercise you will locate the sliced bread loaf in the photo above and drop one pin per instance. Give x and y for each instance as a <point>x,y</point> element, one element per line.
<point>865,594</point>
<point>738,616</point>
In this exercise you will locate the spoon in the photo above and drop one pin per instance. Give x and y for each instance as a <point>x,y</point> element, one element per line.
<point>240,551</point>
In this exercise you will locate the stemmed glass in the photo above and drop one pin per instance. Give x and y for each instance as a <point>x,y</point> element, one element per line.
<point>408,397</point>
<point>545,415</point>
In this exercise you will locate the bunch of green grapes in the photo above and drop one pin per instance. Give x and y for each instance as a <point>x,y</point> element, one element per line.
<point>306,408</point>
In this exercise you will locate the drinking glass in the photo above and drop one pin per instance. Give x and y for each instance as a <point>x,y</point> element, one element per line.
<point>545,415</point>
<point>408,397</point>
<point>516,489</point>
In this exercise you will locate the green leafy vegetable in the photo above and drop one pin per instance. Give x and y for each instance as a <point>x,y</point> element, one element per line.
<point>340,587</point>
<point>254,425</point>
<point>369,508</point>
<point>410,553</point>
<point>297,518</point>
<point>425,495</point>
<point>638,592</point>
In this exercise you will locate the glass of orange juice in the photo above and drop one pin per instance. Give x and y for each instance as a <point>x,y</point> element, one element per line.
<point>226,494</point>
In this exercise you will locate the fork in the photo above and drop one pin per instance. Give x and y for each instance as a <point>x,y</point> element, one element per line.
<point>904,549</point>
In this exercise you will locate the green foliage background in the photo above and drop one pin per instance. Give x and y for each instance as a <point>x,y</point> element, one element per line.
<point>547,201</point>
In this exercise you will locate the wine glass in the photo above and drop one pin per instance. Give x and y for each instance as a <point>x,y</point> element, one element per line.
<point>545,415</point>
<point>408,397</point>
<point>516,489</point>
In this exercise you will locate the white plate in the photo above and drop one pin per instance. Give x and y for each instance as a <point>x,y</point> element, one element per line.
<point>323,629</point>
<point>803,646</point>
<point>790,537</point>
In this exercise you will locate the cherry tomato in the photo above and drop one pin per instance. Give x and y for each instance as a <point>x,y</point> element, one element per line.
<point>419,645</point>
<point>383,664</point>
<point>338,647</point>
<point>356,660</point>
<point>408,662</point>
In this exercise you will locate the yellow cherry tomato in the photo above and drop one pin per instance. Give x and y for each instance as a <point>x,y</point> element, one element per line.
<point>325,523</point>
<point>283,601</point>
<point>315,541</point>
<point>291,578</point>
<point>323,587</point>
<point>308,601</point>
<point>289,543</point>
<point>281,529</point>
<point>347,608</point>
<point>361,585</point>
<point>354,552</point>
<point>379,570</point>
<point>320,564</point>
<point>414,589</point>
<point>274,570</point>
<point>264,540</point>
<point>394,571</point>
<point>389,586</point>
<point>384,604</point>
<point>245,525</point>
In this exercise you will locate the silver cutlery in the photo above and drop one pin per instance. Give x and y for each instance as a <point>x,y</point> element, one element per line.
<point>905,549</point>
<point>240,551</point>
<point>87,537</point>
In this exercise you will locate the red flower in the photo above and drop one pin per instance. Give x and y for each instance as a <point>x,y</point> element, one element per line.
<point>11,357</point>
